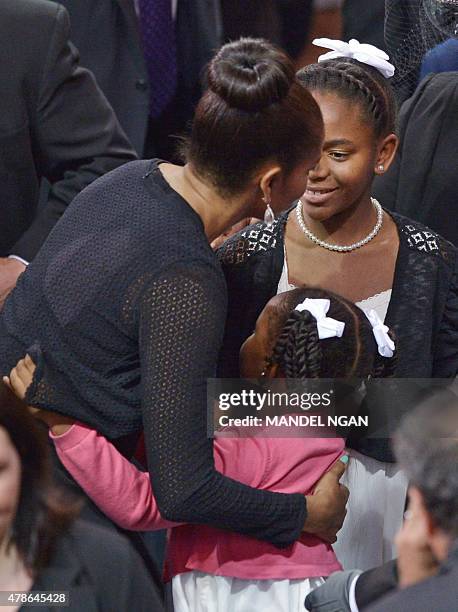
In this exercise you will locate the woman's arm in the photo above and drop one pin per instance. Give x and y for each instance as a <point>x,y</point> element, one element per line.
<point>182,316</point>
<point>181,321</point>
<point>115,485</point>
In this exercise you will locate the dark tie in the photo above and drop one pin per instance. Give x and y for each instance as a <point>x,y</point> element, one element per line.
<point>159,48</point>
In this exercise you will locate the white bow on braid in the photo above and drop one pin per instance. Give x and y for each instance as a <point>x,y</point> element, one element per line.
<point>327,327</point>
<point>364,53</point>
<point>385,344</point>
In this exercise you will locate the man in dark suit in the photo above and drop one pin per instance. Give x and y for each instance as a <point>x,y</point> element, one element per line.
<point>108,34</point>
<point>54,123</point>
<point>364,20</point>
<point>424,577</point>
<point>421,183</point>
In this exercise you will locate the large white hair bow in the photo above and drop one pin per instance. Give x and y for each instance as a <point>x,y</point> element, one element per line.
<point>364,53</point>
<point>384,342</point>
<point>327,327</point>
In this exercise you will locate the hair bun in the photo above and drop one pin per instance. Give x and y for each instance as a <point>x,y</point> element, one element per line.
<point>251,74</point>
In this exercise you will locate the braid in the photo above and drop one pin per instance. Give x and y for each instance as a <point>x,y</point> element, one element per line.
<point>298,349</point>
<point>354,80</point>
<point>372,104</point>
<point>299,352</point>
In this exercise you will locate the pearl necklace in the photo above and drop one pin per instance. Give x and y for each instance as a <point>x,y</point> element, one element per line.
<point>336,247</point>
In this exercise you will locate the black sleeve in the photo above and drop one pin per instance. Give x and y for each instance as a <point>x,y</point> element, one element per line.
<point>445,364</point>
<point>182,318</point>
<point>75,135</point>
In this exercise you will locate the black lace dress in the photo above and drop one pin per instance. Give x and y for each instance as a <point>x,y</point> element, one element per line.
<point>124,310</point>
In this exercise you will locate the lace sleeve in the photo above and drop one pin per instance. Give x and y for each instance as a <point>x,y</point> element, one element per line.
<point>182,317</point>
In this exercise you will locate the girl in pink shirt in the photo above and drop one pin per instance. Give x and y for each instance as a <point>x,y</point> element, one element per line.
<point>304,333</point>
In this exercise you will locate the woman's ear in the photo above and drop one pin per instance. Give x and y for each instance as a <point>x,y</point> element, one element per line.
<point>385,153</point>
<point>265,181</point>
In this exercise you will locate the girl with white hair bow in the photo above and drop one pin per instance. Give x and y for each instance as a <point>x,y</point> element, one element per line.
<point>338,237</point>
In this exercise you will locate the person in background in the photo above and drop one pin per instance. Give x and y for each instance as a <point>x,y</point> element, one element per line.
<point>421,183</point>
<point>425,576</point>
<point>443,15</point>
<point>442,58</point>
<point>148,57</point>
<point>419,38</point>
<point>43,546</point>
<point>283,22</point>
<point>54,123</point>
<point>364,20</point>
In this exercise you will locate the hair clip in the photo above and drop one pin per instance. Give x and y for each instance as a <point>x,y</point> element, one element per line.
<point>364,53</point>
<point>327,327</point>
<point>386,346</point>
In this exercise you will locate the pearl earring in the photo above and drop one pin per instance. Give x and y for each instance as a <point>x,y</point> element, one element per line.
<point>381,168</point>
<point>269,216</point>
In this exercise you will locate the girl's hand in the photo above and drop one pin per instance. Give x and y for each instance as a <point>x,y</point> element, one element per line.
<point>326,507</point>
<point>21,377</point>
<point>19,381</point>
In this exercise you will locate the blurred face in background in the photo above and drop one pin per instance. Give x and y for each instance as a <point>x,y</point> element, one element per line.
<point>10,483</point>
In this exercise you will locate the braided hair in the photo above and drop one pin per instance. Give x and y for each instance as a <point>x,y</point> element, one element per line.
<point>299,352</point>
<point>357,82</point>
<point>298,349</point>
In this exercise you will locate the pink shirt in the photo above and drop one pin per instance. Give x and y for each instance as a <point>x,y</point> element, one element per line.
<point>285,465</point>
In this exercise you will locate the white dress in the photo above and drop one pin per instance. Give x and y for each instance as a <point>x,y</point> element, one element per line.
<point>378,490</point>
<point>199,592</point>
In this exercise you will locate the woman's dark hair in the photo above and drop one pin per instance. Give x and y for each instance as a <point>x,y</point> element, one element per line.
<point>254,111</point>
<point>355,82</point>
<point>42,514</point>
<point>300,354</point>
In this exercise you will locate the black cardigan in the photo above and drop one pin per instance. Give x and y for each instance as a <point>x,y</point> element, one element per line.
<point>423,311</point>
<point>124,310</point>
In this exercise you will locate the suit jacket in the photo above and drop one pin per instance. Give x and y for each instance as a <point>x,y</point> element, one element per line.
<point>438,594</point>
<point>363,20</point>
<point>107,35</point>
<point>375,583</point>
<point>100,571</point>
<point>54,123</point>
<point>421,183</point>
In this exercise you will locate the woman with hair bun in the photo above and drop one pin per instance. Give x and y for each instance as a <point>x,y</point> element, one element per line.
<point>123,310</point>
<point>303,334</point>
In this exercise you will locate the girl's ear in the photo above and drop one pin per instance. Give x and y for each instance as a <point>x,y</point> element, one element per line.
<point>273,371</point>
<point>385,153</point>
